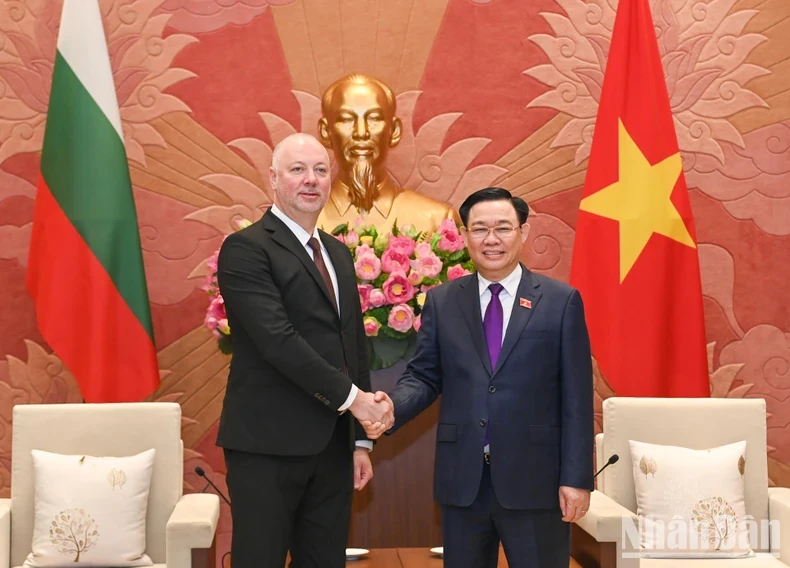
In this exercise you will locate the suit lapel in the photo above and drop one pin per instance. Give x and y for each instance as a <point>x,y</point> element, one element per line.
<point>470,308</point>
<point>285,237</point>
<point>519,317</point>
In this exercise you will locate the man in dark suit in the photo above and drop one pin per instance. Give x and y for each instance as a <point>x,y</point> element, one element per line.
<point>508,351</point>
<point>299,362</point>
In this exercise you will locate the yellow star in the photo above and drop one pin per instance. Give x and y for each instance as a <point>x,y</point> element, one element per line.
<point>640,201</point>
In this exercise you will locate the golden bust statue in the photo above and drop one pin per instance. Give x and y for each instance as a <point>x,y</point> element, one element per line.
<point>359,126</point>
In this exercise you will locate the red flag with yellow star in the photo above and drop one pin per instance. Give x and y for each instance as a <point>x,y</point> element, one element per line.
<point>635,257</point>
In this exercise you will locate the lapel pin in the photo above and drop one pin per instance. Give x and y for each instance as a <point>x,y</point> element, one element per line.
<point>524,303</point>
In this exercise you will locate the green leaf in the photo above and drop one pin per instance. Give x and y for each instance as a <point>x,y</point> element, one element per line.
<point>457,255</point>
<point>342,228</point>
<point>385,351</point>
<point>395,231</point>
<point>381,314</point>
<point>225,344</point>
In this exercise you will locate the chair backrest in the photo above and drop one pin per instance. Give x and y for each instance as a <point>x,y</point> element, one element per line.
<point>696,423</point>
<point>98,430</point>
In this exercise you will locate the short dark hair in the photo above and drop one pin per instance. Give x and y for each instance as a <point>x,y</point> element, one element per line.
<point>493,194</point>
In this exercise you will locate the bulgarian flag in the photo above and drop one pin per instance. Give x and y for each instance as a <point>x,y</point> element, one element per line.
<point>85,270</point>
<point>635,258</point>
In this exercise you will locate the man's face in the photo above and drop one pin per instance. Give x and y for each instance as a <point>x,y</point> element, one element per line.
<point>301,180</point>
<point>360,126</point>
<point>494,238</point>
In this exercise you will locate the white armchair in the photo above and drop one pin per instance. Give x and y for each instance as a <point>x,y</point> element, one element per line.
<point>175,523</point>
<point>597,539</point>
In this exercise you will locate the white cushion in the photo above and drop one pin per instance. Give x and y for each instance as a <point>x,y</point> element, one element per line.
<point>690,503</point>
<point>90,511</point>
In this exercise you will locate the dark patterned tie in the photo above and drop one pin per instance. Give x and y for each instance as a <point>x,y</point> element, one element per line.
<point>492,324</point>
<point>321,266</point>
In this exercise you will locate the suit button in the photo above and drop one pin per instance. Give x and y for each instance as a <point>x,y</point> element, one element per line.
<point>492,389</point>
<point>483,422</point>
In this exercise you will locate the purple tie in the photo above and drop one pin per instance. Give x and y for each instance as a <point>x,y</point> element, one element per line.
<point>493,322</point>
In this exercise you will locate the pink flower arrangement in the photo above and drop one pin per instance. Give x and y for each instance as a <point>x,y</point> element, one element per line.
<point>394,271</point>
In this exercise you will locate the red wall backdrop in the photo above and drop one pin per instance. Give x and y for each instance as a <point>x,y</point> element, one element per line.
<point>490,91</point>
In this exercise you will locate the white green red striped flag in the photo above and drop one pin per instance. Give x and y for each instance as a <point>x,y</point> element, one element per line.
<point>85,270</point>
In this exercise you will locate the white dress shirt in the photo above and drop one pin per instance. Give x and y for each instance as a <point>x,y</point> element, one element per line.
<point>304,238</point>
<point>507,297</point>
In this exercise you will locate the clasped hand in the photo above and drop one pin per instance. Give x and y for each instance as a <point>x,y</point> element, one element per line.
<point>376,412</point>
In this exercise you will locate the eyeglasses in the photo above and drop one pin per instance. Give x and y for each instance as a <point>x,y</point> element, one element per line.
<point>480,233</point>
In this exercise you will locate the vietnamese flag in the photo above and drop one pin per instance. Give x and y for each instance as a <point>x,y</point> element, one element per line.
<point>85,270</point>
<point>635,258</point>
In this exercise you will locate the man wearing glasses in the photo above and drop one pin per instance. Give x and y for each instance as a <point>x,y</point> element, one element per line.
<point>509,352</point>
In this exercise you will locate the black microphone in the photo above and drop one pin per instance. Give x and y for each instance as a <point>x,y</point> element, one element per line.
<point>612,459</point>
<point>199,470</point>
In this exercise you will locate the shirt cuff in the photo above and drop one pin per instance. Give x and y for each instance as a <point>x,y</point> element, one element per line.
<point>365,445</point>
<point>351,396</point>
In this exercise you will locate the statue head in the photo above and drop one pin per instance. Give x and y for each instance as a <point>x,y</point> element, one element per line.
<point>359,126</point>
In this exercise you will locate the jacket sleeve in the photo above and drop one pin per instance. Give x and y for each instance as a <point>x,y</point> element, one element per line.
<point>245,281</point>
<point>421,383</point>
<point>578,429</point>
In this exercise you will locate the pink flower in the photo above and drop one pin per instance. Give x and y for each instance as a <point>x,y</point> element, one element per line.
<point>425,287</point>
<point>456,271</point>
<point>451,242</point>
<point>368,267</point>
<point>363,250</point>
<point>448,226</point>
<point>352,239</point>
<point>401,318</point>
<point>415,278</point>
<point>417,323</point>
<point>216,308</point>
<point>422,250</point>
<point>429,266</point>
<point>340,238</point>
<point>393,261</point>
<point>402,244</point>
<point>212,262</point>
<point>364,296</point>
<point>372,326</point>
<point>397,289</point>
<point>377,298</point>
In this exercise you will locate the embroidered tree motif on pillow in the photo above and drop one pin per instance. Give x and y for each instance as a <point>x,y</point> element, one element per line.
<point>73,532</point>
<point>117,478</point>
<point>741,465</point>
<point>715,520</point>
<point>647,466</point>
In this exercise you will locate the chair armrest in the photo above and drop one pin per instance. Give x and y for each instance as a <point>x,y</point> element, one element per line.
<point>5,533</point>
<point>604,522</point>
<point>192,524</point>
<point>604,519</point>
<point>779,510</point>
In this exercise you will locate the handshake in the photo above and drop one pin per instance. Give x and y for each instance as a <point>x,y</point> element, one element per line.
<point>375,412</point>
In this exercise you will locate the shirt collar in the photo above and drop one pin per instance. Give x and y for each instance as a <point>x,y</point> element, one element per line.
<point>302,235</point>
<point>509,282</point>
<point>387,191</point>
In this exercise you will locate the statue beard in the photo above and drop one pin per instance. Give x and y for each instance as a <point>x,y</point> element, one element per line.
<point>362,187</point>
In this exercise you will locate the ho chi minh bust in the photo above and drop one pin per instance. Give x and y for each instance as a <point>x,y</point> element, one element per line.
<point>359,125</point>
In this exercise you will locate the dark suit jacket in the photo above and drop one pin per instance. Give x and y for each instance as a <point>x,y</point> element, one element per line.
<point>537,402</point>
<point>293,359</point>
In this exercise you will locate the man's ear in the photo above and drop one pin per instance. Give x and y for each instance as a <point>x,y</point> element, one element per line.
<point>272,178</point>
<point>323,133</point>
<point>397,131</point>
<point>524,232</point>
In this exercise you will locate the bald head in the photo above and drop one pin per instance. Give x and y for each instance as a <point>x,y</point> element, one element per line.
<point>299,176</point>
<point>295,142</point>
